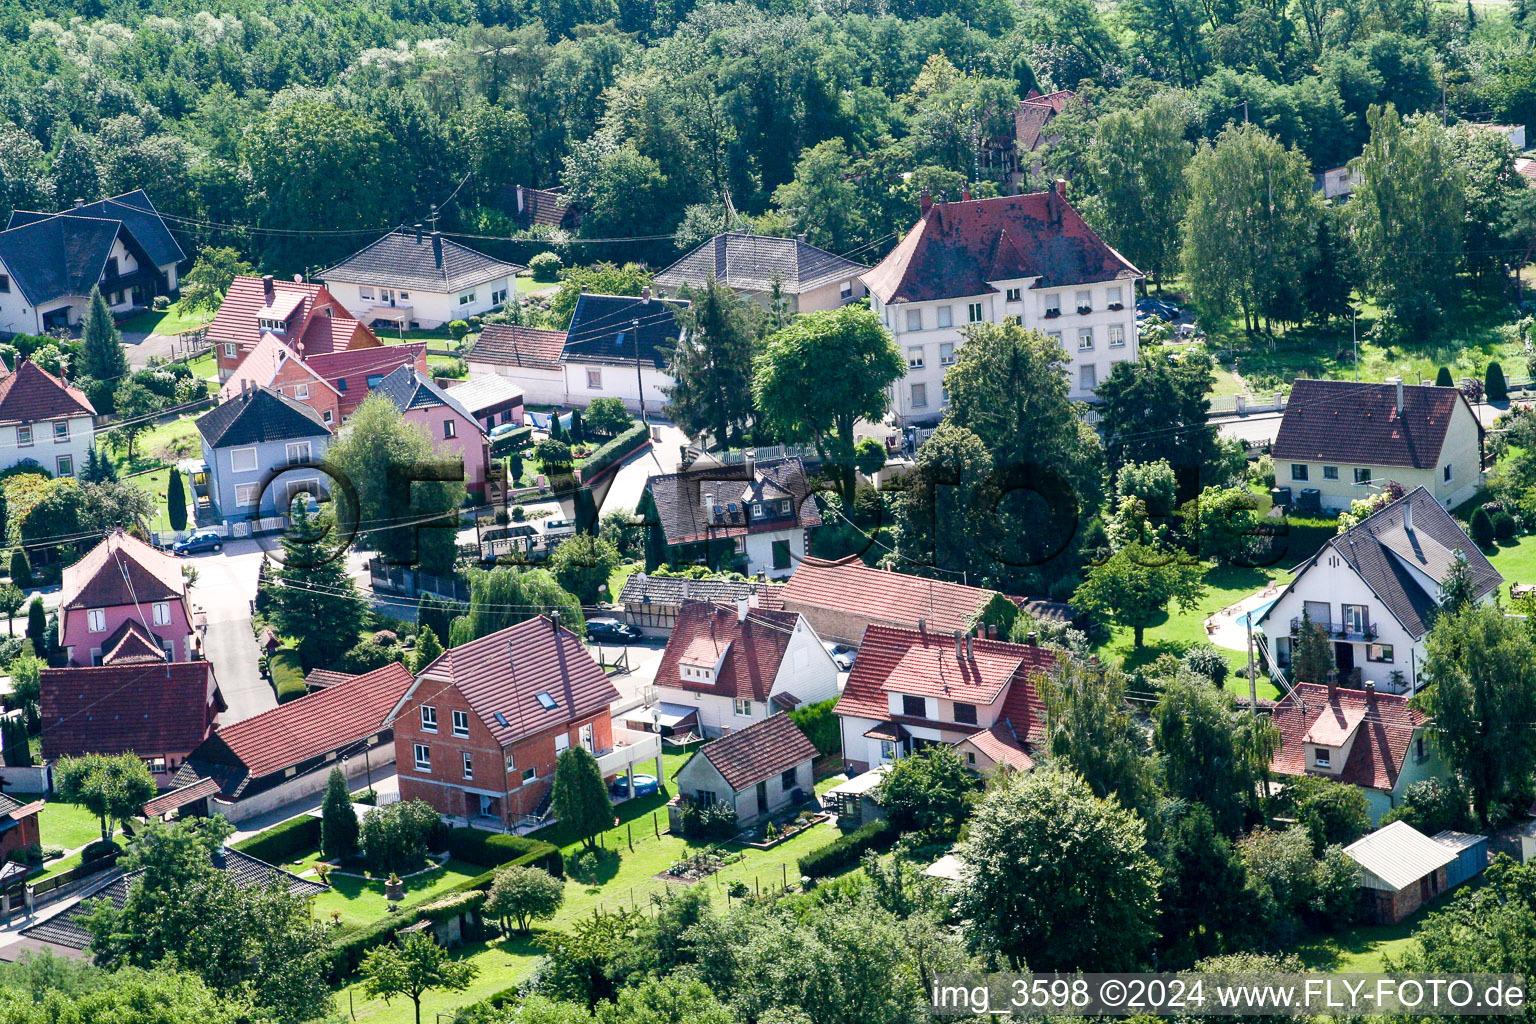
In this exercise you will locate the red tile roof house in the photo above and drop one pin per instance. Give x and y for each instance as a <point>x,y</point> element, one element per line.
<point>915,688</point>
<point>303,314</point>
<point>527,356</point>
<point>478,732</point>
<point>1374,741</point>
<point>159,712</point>
<point>333,384</point>
<point>1032,133</point>
<point>757,770</point>
<point>842,599</point>
<point>1031,258</point>
<point>731,666</point>
<point>44,422</point>
<point>121,585</point>
<point>286,753</point>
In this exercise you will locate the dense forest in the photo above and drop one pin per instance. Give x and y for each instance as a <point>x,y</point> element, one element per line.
<point>295,131</point>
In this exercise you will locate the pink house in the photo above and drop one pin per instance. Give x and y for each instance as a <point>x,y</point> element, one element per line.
<point>121,592</point>
<point>452,427</point>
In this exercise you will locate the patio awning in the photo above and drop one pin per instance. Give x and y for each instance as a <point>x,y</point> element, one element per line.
<point>178,798</point>
<point>677,716</point>
<point>887,731</point>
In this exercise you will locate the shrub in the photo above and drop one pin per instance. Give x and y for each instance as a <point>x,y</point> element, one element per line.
<point>1504,525</point>
<point>552,452</point>
<point>1494,385</point>
<point>1262,471</point>
<point>160,303</point>
<point>1207,661</point>
<point>1481,527</point>
<point>493,849</point>
<point>545,266</point>
<point>845,851</point>
<point>98,849</point>
<point>394,838</point>
<point>457,329</point>
<point>282,843</point>
<point>613,450</point>
<point>1443,379</point>
<point>820,725</point>
<point>586,867</point>
<point>716,821</point>
<point>607,416</point>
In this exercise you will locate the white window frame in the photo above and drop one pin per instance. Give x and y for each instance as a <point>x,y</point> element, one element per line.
<point>1049,303</point>
<point>229,350</point>
<point>915,357</point>
<point>1116,335</point>
<point>61,432</point>
<point>530,775</point>
<point>595,379</point>
<point>95,620</point>
<point>1084,372</point>
<point>469,765</point>
<point>465,298</point>
<point>326,416</point>
<point>301,391</point>
<point>1085,339</point>
<point>24,435</point>
<point>247,495</point>
<point>1112,296</point>
<point>235,457</point>
<point>947,353</point>
<point>161,613</point>
<point>974,312</point>
<point>365,291</point>
<point>1014,295</point>
<point>461,723</point>
<point>422,754</point>
<point>741,707</point>
<point>65,464</point>
<point>1448,474</point>
<point>428,718</point>
<point>297,452</point>
<point>450,429</point>
<point>1084,299</point>
<point>1322,757</point>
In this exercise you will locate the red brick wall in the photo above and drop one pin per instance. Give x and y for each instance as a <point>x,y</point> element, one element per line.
<point>26,834</point>
<point>444,787</point>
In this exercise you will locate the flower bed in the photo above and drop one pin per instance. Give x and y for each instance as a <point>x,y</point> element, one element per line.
<point>771,834</point>
<point>700,865</point>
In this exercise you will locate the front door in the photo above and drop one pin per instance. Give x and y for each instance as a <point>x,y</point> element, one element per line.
<point>762,798</point>
<point>1344,657</point>
<point>387,295</point>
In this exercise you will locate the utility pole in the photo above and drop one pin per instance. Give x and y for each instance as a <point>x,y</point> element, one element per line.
<point>1354,342</point>
<point>634,326</point>
<point>1253,683</point>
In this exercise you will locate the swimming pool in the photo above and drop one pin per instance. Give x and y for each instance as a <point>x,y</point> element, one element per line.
<point>1253,614</point>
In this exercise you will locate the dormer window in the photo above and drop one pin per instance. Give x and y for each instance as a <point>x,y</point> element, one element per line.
<point>276,326</point>
<point>1322,757</point>
<point>757,510</point>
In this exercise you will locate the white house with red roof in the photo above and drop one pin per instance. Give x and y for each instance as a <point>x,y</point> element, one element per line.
<point>120,594</point>
<point>44,422</point>
<point>302,314</point>
<point>478,731</point>
<point>1029,258</point>
<point>1373,741</point>
<point>726,667</point>
<point>911,689</point>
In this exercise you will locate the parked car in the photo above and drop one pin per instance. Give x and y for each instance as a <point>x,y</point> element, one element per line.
<point>202,540</point>
<point>1158,307</point>
<point>645,785</point>
<point>613,631</point>
<point>843,656</point>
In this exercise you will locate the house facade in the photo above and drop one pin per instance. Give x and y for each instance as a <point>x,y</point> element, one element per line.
<point>44,422</point>
<point>18,825</point>
<point>1340,441</point>
<point>757,770</point>
<point>302,314</point>
<point>911,689</point>
<point>412,280</point>
<point>527,357</point>
<point>1375,589</point>
<point>121,593</point>
<point>1373,741</point>
<point>731,666</point>
<point>1031,259</point>
<point>617,347</point>
<point>478,732</point>
<point>49,262</point>
<point>249,441</point>
<point>808,278</point>
<point>755,516</point>
<point>453,428</point>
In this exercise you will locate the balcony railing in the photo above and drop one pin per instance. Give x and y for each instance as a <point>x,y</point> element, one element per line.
<point>1338,630</point>
<point>630,748</point>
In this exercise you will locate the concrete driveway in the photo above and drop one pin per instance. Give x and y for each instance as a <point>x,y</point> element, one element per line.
<point>226,586</point>
<point>628,484</point>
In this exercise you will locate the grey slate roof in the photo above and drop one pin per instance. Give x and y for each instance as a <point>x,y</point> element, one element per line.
<point>672,590</point>
<point>400,259</point>
<point>408,389</point>
<point>603,330</point>
<point>248,872</point>
<point>135,211</point>
<point>57,256</point>
<point>750,262</point>
<point>1387,557</point>
<point>258,416</point>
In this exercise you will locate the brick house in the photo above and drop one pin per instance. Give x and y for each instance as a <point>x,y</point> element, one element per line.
<point>18,825</point>
<point>123,590</point>
<point>842,599</point>
<point>1401,869</point>
<point>478,731</point>
<point>300,313</point>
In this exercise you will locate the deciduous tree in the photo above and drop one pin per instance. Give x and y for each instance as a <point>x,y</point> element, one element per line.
<point>579,798</point>
<point>526,894</point>
<point>413,968</point>
<point>1135,585</point>
<point>1135,166</point>
<point>114,787</point>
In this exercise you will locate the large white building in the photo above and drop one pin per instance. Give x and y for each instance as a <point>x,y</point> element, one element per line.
<point>410,279</point>
<point>1030,258</point>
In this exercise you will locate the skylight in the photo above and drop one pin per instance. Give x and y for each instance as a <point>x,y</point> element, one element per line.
<point>501,720</point>
<point>547,702</point>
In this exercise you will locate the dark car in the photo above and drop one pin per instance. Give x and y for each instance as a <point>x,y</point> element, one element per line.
<point>613,631</point>
<point>1158,307</point>
<point>203,540</point>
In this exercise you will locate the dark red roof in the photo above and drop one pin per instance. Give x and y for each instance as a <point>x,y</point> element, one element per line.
<point>121,570</point>
<point>131,644</point>
<point>149,710</point>
<point>511,345</point>
<point>882,596</point>
<point>1034,113</point>
<point>760,751</point>
<point>180,797</point>
<point>320,323</point>
<point>753,649</point>
<point>1344,421</point>
<point>311,725</point>
<point>1382,737</point>
<point>885,665</point>
<point>955,249</point>
<point>502,674</point>
<point>32,394</point>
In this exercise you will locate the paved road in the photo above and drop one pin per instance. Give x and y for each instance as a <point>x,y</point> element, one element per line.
<point>141,348</point>
<point>1258,428</point>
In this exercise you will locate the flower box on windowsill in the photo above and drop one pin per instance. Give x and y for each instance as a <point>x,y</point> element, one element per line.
<point>1117,306</point>
<point>1052,314</point>
<point>1083,310</point>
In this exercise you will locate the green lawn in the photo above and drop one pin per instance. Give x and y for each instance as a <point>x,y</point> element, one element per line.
<point>361,901</point>
<point>174,320</point>
<point>161,445</point>
<point>68,825</point>
<point>526,285</point>
<point>503,963</point>
<point>619,576</point>
<point>154,483</point>
<point>204,366</point>
<point>55,867</point>
<point>1516,560</point>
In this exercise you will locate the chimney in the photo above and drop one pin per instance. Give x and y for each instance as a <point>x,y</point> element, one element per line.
<point>970,648</point>
<point>749,460</point>
<point>437,248</point>
<point>925,201</point>
<point>79,203</point>
<point>991,632</point>
<point>922,626</point>
<point>298,278</point>
<point>554,620</point>
<point>1061,187</point>
<point>645,295</point>
<point>1408,515</point>
<point>1399,382</point>
<point>1333,683</point>
<point>959,645</point>
<point>519,199</point>
<point>753,601</point>
<point>800,238</point>
<point>1031,639</point>
<point>267,287</point>
<point>965,193</point>
<point>1053,200</point>
<point>418,234</point>
<point>1370,690</point>
<point>741,609</point>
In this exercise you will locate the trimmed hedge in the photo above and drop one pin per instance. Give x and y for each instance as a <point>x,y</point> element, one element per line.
<point>844,852</point>
<point>613,451</point>
<point>495,849</point>
<point>284,842</point>
<point>820,725</point>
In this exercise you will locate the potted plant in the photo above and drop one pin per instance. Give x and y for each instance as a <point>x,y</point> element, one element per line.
<point>394,888</point>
